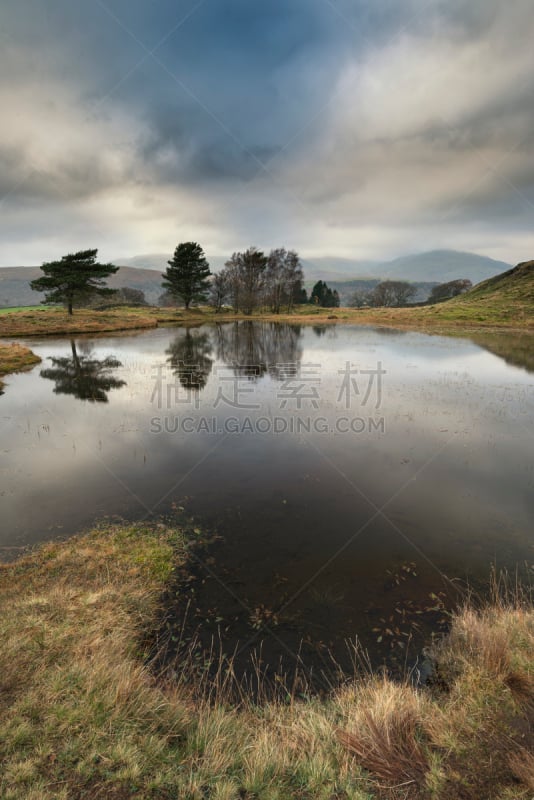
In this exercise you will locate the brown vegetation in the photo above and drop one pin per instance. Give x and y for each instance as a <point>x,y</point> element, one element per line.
<point>15,358</point>
<point>57,321</point>
<point>82,714</point>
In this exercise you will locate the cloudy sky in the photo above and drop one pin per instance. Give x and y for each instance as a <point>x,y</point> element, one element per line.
<point>352,128</point>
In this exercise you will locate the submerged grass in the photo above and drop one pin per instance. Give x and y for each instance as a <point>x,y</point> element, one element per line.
<point>82,714</point>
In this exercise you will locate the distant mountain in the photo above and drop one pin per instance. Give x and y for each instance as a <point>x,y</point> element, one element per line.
<point>435,266</point>
<point>326,268</point>
<point>153,261</point>
<point>158,261</point>
<point>15,284</point>
<point>442,266</point>
<point>339,269</point>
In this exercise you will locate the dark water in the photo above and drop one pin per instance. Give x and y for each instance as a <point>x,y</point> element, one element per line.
<point>355,478</point>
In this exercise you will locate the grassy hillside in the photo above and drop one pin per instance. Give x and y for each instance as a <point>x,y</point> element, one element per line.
<point>82,715</point>
<point>505,301</point>
<point>516,284</point>
<point>508,296</point>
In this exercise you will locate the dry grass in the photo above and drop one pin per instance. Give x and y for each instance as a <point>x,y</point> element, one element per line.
<point>16,358</point>
<point>83,716</point>
<point>470,740</point>
<point>522,766</point>
<point>485,722</point>
<point>54,321</point>
<point>387,734</point>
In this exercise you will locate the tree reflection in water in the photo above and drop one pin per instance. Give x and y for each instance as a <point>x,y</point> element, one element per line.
<point>190,358</point>
<point>255,348</point>
<point>84,377</point>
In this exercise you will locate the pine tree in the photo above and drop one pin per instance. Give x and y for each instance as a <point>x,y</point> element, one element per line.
<point>323,295</point>
<point>73,279</point>
<point>187,275</point>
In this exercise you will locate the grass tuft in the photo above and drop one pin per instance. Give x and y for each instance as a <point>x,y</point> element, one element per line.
<point>84,715</point>
<point>386,734</point>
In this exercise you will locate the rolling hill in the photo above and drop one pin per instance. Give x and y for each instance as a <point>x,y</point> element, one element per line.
<point>15,287</point>
<point>506,298</point>
<point>441,266</point>
<point>513,286</point>
<point>504,301</point>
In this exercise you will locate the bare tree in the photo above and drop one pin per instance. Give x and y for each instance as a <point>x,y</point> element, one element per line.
<point>392,293</point>
<point>294,277</point>
<point>275,279</point>
<point>219,289</point>
<point>360,298</point>
<point>247,279</point>
<point>282,277</point>
<point>232,277</point>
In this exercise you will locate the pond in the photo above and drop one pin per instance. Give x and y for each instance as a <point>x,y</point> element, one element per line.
<point>353,480</point>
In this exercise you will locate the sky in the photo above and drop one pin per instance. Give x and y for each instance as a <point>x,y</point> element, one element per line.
<point>348,128</point>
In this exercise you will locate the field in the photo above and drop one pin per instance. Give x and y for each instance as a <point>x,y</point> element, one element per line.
<point>82,714</point>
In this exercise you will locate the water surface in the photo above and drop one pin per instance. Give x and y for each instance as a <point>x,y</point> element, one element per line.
<point>354,476</point>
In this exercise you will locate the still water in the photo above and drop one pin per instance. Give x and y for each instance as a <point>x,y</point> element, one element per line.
<point>353,479</point>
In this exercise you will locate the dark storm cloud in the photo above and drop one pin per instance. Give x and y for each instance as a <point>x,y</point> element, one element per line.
<point>244,78</point>
<point>234,81</point>
<point>323,114</point>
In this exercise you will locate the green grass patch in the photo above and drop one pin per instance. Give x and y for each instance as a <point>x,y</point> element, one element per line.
<point>10,309</point>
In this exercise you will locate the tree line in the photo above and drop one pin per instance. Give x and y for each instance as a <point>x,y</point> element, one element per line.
<point>399,293</point>
<point>250,280</point>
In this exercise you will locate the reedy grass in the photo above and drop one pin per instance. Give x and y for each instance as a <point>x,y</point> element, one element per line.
<point>84,715</point>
